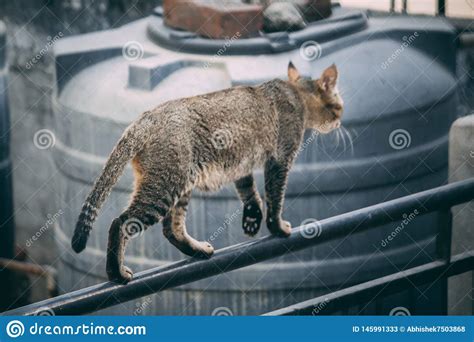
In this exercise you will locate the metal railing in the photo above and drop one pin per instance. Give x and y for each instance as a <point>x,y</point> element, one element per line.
<point>248,253</point>
<point>390,284</point>
<point>441,6</point>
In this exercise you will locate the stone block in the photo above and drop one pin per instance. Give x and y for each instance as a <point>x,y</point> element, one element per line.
<point>214,19</point>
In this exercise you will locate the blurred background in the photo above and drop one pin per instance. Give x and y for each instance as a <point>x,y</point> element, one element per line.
<point>67,107</point>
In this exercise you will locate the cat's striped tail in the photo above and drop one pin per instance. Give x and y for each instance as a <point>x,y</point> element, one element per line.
<point>131,142</point>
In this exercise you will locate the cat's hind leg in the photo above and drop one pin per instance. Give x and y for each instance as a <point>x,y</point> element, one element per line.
<point>252,204</point>
<point>118,240</point>
<point>143,212</point>
<point>174,229</point>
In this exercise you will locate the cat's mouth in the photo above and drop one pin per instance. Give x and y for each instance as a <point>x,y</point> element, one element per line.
<point>329,127</point>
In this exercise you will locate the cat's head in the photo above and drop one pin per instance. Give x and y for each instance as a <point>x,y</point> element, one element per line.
<point>323,103</point>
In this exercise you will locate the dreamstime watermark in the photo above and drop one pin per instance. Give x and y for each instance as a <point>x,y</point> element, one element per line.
<point>311,50</point>
<point>222,311</point>
<point>195,171</point>
<point>133,228</point>
<point>407,41</point>
<point>46,226</point>
<point>320,307</point>
<point>311,228</point>
<point>141,306</point>
<point>222,139</point>
<point>44,50</point>
<point>15,329</point>
<point>44,312</point>
<point>132,50</point>
<point>196,167</point>
<point>44,139</point>
<point>308,141</point>
<point>399,139</point>
<point>404,223</point>
<point>223,49</point>
<point>400,311</point>
<point>228,220</point>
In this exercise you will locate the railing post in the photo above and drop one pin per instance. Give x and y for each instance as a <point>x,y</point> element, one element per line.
<point>443,240</point>
<point>404,6</point>
<point>441,7</point>
<point>443,252</point>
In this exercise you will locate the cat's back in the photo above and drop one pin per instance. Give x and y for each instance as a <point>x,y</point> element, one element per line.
<point>246,113</point>
<point>237,103</point>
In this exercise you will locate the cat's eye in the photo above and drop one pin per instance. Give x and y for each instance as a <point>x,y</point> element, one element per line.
<point>335,110</point>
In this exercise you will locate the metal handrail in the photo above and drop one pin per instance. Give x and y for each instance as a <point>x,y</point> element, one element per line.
<point>251,252</point>
<point>390,284</point>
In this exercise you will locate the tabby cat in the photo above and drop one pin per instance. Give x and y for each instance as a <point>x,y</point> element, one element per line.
<point>205,142</point>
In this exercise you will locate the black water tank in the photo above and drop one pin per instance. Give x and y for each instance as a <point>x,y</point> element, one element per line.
<point>398,82</point>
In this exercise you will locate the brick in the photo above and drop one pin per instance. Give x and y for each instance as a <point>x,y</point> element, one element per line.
<point>214,19</point>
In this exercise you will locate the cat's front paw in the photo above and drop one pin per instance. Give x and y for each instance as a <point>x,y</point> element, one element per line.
<point>252,218</point>
<point>122,276</point>
<point>279,227</point>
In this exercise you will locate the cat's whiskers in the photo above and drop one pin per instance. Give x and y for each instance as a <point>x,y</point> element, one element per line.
<point>351,141</point>
<point>318,138</point>
<point>349,136</point>
<point>341,131</point>
<point>338,138</point>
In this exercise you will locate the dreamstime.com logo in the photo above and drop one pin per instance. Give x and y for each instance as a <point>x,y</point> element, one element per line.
<point>133,228</point>
<point>311,228</point>
<point>310,50</point>
<point>44,312</point>
<point>132,51</point>
<point>15,329</point>
<point>44,139</point>
<point>222,139</point>
<point>399,139</point>
<point>400,311</point>
<point>222,311</point>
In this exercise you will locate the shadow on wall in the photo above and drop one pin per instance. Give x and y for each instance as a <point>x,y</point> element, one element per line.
<point>33,27</point>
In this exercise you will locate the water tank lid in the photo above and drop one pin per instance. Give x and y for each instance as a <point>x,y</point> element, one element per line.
<point>342,22</point>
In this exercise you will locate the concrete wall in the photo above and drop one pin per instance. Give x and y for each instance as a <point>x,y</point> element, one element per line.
<point>32,29</point>
<point>461,166</point>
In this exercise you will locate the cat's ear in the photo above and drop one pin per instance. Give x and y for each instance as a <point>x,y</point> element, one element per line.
<point>293,73</point>
<point>328,79</point>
